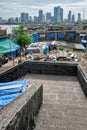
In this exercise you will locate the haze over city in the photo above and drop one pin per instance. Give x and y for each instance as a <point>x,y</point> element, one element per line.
<point>15,7</point>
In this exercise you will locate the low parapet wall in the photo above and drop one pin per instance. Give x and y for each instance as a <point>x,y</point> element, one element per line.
<point>82,77</point>
<point>19,114</point>
<point>37,67</point>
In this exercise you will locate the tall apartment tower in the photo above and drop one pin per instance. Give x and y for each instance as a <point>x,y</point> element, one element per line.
<point>58,14</point>
<point>61,15</point>
<point>48,16</point>
<point>40,16</point>
<point>79,17</point>
<point>69,17</point>
<point>24,17</point>
<point>73,18</point>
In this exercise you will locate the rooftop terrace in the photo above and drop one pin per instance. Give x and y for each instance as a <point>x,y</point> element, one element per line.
<point>64,104</point>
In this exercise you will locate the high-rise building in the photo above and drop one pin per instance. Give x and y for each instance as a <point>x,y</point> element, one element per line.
<point>16,19</point>
<point>48,16</point>
<point>24,17</point>
<point>36,19</point>
<point>40,16</point>
<point>30,18</point>
<point>58,14</point>
<point>61,15</point>
<point>55,14</point>
<point>79,17</point>
<point>1,19</point>
<point>73,18</point>
<point>69,17</point>
<point>11,20</point>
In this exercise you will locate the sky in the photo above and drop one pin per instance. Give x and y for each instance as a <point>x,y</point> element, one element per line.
<point>13,8</point>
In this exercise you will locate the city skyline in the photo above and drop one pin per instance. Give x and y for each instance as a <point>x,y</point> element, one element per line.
<point>48,17</point>
<point>15,7</point>
<point>57,17</point>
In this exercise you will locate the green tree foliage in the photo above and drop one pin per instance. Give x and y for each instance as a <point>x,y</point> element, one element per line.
<point>22,37</point>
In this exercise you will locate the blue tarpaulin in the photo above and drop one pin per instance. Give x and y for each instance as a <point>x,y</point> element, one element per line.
<point>11,90</point>
<point>51,35</point>
<point>35,37</point>
<point>14,53</point>
<point>46,50</point>
<point>61,36</point>
<point>84,43</point>
<point>32,50</point>
<point>71,35</point>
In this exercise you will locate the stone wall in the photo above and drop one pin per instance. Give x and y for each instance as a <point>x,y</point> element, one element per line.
<point>19,114</point>
<point>52,68</point>
<point>37,67</point>
<point>82,77</point>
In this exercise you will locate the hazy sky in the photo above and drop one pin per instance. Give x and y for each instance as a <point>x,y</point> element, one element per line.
<point>13,8</point>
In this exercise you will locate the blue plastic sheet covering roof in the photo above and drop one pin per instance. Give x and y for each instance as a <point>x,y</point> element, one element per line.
<point>51,35</point>
<point>14,53</point>
<point>61,36</point>
<point>45,49</point>
<point>71,35</point>
<point>33,48</point>
<point>84,41</point>
<point>35,37</point>
<point>11,90</point>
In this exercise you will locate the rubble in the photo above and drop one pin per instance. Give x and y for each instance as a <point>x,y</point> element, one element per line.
<point>70,56</point>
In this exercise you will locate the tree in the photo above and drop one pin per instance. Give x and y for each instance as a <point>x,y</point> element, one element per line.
<point>22,37</point>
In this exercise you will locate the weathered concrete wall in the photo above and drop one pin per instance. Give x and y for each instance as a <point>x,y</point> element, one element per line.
<point>82,77</point>
<point>19,114</point>
<point>37,67</point>
<point>52,68</point>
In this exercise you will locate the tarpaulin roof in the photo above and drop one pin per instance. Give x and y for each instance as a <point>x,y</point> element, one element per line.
<point>11,90</point>
<point>7,45</point>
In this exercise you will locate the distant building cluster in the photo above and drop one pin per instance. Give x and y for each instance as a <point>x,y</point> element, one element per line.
<point>58,17</point>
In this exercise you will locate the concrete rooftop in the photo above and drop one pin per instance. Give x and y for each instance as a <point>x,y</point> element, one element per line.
<point>64,104</point>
